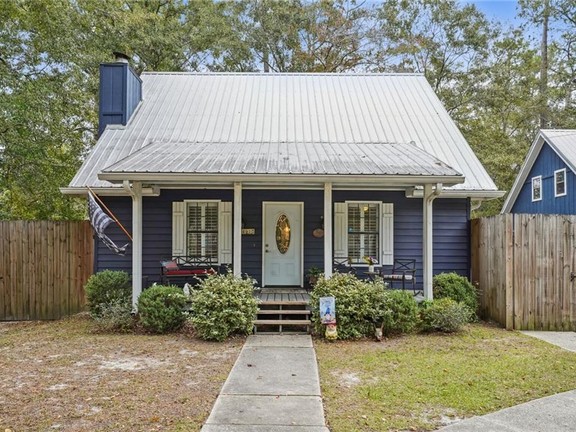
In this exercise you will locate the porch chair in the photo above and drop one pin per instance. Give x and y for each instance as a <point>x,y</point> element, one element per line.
<point>342,265</point>
<point>403,270</point>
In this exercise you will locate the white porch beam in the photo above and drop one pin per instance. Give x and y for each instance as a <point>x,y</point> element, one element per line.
<point>427,253</point>
<point>237,256</point>
<point>136,193</point>
<point>328,262</point>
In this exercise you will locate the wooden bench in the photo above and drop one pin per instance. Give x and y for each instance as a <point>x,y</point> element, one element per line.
<point>179,270</point>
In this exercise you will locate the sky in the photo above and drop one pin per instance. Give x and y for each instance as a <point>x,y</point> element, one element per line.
<point>503,10</point>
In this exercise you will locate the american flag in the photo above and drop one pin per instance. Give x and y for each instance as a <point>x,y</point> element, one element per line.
<point>100,222</point>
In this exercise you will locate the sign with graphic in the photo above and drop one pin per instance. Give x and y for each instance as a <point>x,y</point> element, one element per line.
<point>327,310</point>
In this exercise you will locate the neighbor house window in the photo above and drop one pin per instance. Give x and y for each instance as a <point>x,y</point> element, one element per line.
<point>363,231</point>
<point>560,182</point>
<point>202,230</point>
<point>536,188</point>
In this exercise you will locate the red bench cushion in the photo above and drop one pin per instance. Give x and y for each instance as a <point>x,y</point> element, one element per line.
<point>185,272</point>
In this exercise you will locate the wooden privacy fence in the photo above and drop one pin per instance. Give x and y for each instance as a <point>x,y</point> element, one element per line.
<point>43,268</point>
<point>524,266</point>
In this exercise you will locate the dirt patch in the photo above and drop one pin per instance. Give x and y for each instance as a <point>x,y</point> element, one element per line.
<point>61,376</point>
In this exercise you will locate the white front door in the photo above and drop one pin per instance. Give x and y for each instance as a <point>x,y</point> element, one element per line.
<point>282,244</point>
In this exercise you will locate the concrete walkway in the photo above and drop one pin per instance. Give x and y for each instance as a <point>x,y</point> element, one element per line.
<point>556,413</point>
<point>273,387</point>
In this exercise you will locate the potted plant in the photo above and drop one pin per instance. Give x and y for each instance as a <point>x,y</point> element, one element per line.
<point>371,261</point>
<point>313,274</point>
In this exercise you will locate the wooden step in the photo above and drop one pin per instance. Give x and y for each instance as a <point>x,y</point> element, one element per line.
<point>284,312</point>
<point>281,322</point>
<point>283,303</point>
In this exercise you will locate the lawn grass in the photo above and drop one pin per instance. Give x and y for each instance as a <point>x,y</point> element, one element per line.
<point>421,382</point>
<point>63,376</point>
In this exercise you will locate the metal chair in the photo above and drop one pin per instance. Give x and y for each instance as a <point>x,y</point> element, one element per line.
<point>403,270</point>
<point>342,265</point>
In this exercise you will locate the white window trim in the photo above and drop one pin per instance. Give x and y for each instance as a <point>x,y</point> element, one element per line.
<point>186,215</point>
<point>380,231</point>
<point>556,195</point>
<point>532,188</point>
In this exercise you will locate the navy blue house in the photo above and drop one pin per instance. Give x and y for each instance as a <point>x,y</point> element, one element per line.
<point>545,183</point>
<point>271,174</point>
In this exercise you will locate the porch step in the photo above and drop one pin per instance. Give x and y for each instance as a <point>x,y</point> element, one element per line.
<point>281,322</point>
<point>283,313</point>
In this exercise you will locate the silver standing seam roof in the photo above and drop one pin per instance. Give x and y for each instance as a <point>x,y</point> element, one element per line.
<point>562,141</point>
<point>319,124</point>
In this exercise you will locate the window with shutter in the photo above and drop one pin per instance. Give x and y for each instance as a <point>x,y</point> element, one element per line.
<point>202,230</point>
<point>363,229</point>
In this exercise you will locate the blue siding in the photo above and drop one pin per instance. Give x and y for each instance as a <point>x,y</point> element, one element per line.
<point>120,93</point>
<point>546,163</point>
<point>451,228</point>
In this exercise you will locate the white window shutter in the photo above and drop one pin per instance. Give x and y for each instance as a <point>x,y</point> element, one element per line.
<point>387,234</point>
<point>178,228</point>
<point>225,232</point>
<point>340,230</point>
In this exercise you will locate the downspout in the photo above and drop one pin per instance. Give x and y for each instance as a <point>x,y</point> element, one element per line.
<point>135,191</point>
<point>428,198</point>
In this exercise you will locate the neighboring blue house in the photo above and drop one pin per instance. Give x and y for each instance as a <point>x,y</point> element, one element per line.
<point>276,173</point>
<point>545,183</point>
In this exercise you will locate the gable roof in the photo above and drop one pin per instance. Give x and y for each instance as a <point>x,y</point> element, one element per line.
<point>562,141</point>
<point>329,112</point>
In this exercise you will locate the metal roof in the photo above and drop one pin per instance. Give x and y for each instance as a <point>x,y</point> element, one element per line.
<point>562,141</point>
<point>282,158</point>
<point>304,110</point>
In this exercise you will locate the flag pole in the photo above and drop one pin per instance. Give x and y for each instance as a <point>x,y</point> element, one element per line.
<point>110,213</point>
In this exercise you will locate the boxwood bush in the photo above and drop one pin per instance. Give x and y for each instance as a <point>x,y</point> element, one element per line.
<point>161,308</point>
<point>106,289</point>
<point>458,288</point>
<point>399,311</point>
<point>445,315</point>
<point>223,305</point>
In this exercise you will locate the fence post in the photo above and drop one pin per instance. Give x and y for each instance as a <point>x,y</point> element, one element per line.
<point>509,275</point>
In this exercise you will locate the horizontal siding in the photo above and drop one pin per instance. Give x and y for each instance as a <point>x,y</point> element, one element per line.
<point>451,228</point>
<point>546,163</point>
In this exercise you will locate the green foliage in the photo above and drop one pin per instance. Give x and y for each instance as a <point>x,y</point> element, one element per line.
<point>115,316</point>
<point>456,287</point>
<point>107,288</point>
<point>223,305</point>
<point>161,308</point>
<point>399,311</point>
<point>445,315</point>
<point>363,306</point>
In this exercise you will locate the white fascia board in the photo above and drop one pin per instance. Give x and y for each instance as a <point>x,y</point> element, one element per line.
<point>447,193</point>
<point>107,191</point>
<point>168,178</point>
<point>523,173</point>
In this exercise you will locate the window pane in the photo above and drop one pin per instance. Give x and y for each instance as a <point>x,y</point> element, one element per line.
<point>363,231</point>
<point>202,233</point>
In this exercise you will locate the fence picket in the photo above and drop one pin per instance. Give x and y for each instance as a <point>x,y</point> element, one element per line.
<point>44,266</point>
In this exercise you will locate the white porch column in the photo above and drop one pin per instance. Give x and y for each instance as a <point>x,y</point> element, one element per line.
<point>328,230</point>
<point>237,256</point>
<point>427,230</point>
<point>136,193</point>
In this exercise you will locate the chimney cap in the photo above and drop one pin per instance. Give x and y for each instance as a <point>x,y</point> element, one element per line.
<point>121,57</point>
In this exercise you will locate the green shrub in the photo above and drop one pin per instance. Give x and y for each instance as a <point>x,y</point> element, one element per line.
<point>400,312</point>
<point>107,288</point>
<point>115,316</point>
<point>161,308</point>
<point>446,315</point>
<point>456,287</point>
<point>223,305</point>
<point>363,306</point>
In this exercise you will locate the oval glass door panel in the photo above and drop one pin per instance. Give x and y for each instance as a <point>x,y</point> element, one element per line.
<point>283,234</point>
